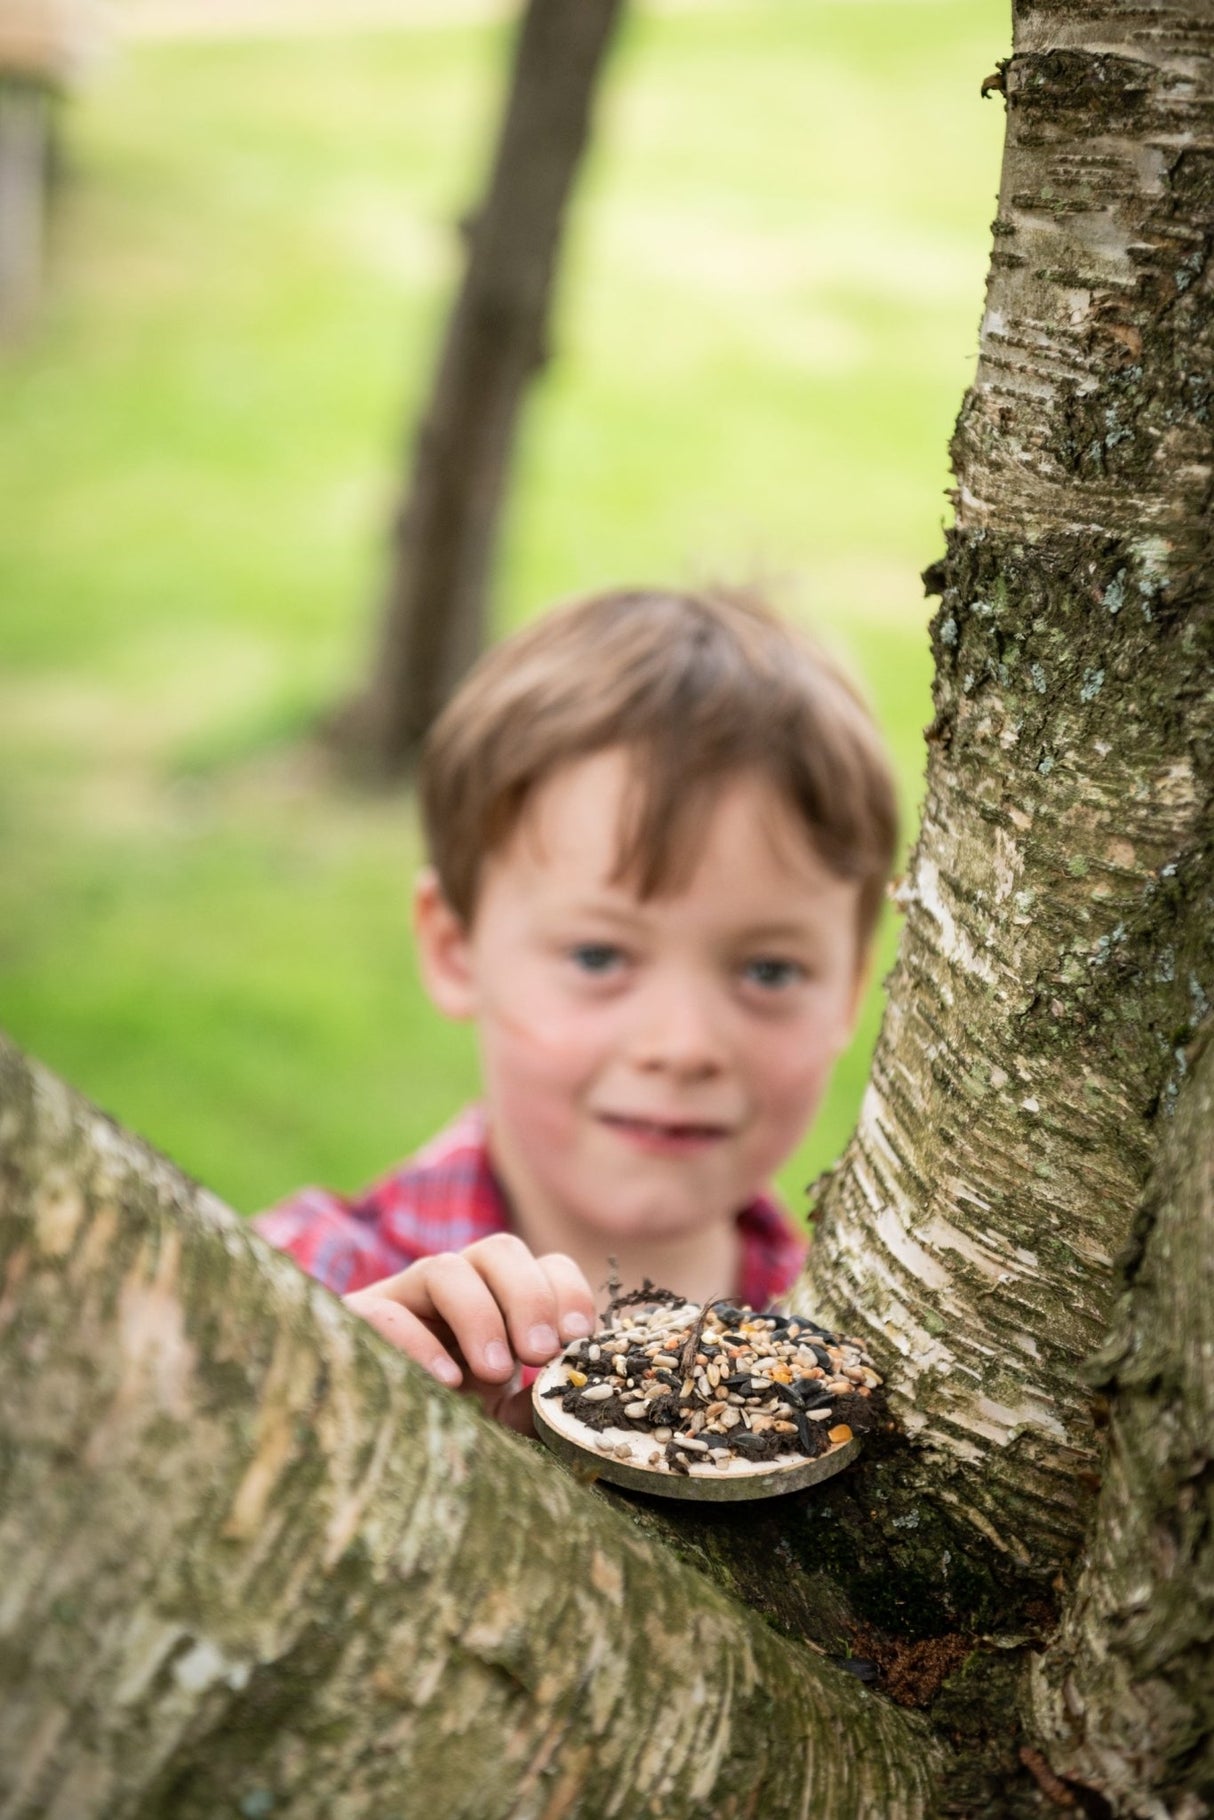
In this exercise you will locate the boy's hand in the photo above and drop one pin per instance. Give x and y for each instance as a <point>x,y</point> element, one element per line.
<point>473,1317</point>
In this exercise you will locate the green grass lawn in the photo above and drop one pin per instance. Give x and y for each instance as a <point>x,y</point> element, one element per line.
<point>768,316</point>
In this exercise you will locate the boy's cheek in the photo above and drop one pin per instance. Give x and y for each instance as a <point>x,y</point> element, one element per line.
<point>542,1035</point>
<point>530,1077</point>
<point>795,1090</point>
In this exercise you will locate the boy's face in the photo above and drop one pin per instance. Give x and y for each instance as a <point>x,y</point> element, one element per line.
<point>647,1064</point>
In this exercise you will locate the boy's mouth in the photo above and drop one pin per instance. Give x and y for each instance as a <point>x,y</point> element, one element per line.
<point>664,1134</point>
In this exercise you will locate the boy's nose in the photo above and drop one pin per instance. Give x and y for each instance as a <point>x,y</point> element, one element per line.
<point>678,1035</point>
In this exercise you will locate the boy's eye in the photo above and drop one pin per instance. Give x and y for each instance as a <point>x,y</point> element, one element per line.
<point>770,973</point>
<point>595,957</point>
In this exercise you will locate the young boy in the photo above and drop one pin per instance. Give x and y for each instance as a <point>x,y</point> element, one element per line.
<point>660,826</point>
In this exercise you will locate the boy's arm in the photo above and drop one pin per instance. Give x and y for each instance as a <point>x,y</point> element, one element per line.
<point>472,1317</point>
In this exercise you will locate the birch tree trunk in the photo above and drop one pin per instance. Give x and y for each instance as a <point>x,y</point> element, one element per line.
<point>433,615</point>
<point>1060,901</point>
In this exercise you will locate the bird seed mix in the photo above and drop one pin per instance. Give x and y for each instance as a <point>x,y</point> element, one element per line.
<point>666,1384</point>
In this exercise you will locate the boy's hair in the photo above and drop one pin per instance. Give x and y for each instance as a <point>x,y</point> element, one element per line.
<point>698,687</point>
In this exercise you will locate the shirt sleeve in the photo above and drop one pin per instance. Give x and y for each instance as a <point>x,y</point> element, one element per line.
<point>441,1199</point>
<point>339,1242</point>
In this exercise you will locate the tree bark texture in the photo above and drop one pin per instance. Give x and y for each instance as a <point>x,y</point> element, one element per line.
<point>433,619</point>
<point>1125,1696</point>
<point>1060,900</point>
<point>254,1562</point>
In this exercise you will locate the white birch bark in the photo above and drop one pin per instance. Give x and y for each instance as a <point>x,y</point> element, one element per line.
<point>1060,909</point>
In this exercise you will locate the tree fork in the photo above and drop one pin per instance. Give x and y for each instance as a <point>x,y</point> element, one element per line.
<point>252,1560</point>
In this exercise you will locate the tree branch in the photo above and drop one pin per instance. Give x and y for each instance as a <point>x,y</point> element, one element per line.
<point>252,1560</point>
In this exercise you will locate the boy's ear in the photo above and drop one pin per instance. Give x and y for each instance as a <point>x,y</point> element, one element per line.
<point>443,950</point>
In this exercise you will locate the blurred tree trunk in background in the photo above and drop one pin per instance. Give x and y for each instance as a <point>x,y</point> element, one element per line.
<point>433,616</point>
<point>253,1562</point>
<point>44,44</point>
<point>25,107</point>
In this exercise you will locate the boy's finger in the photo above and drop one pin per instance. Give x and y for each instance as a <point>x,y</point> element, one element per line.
<point>523,1291</point>
<point>404,1330</point>
<point>577,1315</point>
<point>449,1288</point>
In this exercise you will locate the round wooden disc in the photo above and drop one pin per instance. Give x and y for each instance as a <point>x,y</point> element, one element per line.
<point>573,1442</point>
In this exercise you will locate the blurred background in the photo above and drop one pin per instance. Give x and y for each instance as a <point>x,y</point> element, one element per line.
<point>766,315</point>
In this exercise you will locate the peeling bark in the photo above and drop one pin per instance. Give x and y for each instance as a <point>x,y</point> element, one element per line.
<point>1125,1697</point>
<point>253,1561</point>
<point>1060,901</point>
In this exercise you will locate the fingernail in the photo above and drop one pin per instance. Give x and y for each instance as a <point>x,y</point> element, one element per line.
<point>576,1326</point>
<point>446,1371</point>
<point>497,1356</point>
<point>543,1339</point>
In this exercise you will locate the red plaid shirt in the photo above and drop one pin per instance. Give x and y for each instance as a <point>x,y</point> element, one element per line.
<point>447,1196</point>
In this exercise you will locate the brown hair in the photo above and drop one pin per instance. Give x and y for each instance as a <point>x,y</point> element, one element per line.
<point>699,686</point>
